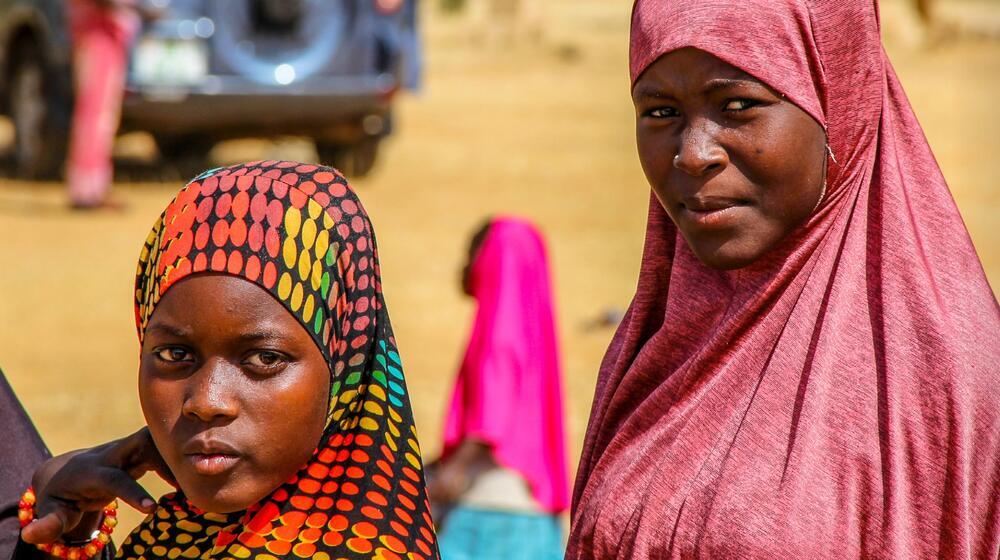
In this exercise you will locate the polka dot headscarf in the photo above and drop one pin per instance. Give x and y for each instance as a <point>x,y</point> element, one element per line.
<point>299,231</point>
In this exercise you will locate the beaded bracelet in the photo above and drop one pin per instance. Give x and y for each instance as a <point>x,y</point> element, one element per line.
<point>100,539</point>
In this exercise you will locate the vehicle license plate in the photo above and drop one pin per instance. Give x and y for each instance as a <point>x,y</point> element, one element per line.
<point>170,62</point>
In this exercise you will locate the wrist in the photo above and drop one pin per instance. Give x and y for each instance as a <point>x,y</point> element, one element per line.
<point>84,531</point>
<point>62,547</point>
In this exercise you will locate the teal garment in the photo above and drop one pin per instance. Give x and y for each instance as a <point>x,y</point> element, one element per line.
<point>479,534</point>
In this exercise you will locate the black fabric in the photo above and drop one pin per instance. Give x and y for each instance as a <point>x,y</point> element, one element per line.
<point>21,451</point>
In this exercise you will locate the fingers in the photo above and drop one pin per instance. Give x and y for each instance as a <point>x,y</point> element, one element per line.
<point>145,457</point>
<point>151,457</point>
<point>128,450</point>
<point>87,480</point>
<point>48,528</point>
<point>128,490</point>
<point>58,516</point>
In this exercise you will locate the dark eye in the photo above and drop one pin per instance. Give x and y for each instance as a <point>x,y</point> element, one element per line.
<point>740,104</point>
<point>265,359</point>
<point>662,113</point>
<point>174,354</point>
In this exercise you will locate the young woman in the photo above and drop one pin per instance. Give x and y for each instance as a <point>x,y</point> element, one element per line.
<point>810,363</point>
<point>503,470</point>
<point>270,384</point>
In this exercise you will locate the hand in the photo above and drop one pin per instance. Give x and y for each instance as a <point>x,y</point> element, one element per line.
<point>73,488</point>
<point>446,482</point>
<point>450,477</point>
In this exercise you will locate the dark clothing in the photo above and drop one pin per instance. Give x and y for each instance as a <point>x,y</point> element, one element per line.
<point>21,451</point>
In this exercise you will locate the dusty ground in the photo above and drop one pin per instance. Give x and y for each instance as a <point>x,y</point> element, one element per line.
<point>543,130</point>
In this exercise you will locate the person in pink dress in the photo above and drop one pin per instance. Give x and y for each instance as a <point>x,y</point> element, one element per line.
<point>101,31</point>
<point>502,477</point>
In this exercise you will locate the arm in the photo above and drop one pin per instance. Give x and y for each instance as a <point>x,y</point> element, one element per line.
<point>454,475</point>
<point>71,489</point>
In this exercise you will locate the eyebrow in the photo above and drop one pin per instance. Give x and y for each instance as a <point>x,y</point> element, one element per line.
<point>180,332</point>
<point>727,83</point>
<point>169,330</point>
<point>649,92</point>
<point>714,85</point>
<point>262,335</point>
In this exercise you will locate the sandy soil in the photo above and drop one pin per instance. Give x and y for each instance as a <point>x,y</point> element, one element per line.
<point>541,129</point>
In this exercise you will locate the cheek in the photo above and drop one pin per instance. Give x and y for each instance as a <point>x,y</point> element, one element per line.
<point>156,399</point>
<point>789,167</point>
<point>654,155</point>
<point>299,412</point>
<point>160,402</point>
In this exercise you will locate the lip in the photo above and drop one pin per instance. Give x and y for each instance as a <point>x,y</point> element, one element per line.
<point>212,464</point>
<point>711,212</point>
<point>211,457</point>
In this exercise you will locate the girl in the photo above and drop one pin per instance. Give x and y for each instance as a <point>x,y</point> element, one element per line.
<point>270,383</point>
<point>503,470</point>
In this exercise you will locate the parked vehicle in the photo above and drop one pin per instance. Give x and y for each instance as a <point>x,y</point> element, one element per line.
<point>210,70</point>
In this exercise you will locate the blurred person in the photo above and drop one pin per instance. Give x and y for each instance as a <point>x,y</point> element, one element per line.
<point>270,382</point>
<point>809,366</point>
<point>101,32</point>
<point>502,475</point>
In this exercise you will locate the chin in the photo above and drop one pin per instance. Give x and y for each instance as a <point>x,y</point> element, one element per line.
<point>217,498</point>
<point>724,256</point>
<point>218,503</point>
<point>725,262</point>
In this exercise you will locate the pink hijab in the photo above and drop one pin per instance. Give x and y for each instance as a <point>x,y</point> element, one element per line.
<point>839,398</point>
<point>508,391</point>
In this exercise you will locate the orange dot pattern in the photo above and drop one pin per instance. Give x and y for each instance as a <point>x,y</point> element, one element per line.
<point>300,232</point>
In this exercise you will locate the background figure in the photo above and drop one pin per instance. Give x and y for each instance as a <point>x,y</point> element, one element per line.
<point>102,31</point>
<point>503,469</point>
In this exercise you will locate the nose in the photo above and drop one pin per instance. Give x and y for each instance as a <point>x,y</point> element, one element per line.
<point>210,396</point>
<point>699,152</point>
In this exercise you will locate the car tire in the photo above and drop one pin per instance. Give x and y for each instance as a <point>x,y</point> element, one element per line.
<point>354,161</point>
<point>40,106</point>
<point>188,154</point>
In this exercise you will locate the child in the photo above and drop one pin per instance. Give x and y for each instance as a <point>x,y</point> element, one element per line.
<point>270,384</point>
<point>503,470</point>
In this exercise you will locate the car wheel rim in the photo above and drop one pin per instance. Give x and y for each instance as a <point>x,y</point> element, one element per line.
<point>263,57</point>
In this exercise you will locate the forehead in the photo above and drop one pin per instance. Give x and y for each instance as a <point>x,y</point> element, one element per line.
<point>686,69</point>
<point>222,302</point>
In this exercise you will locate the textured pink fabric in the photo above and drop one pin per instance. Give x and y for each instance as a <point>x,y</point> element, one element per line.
<point>839,398</point>
<point>101,38</point>
<point>508,392</point>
